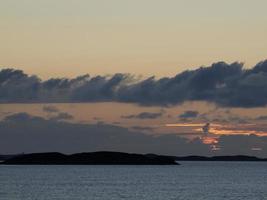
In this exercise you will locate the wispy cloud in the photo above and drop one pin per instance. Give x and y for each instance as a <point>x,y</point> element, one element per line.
<point>189,114</point>
<point>143,115</point>
<point>50,109</point>
<point>225,129</point>
<point>62,116</point>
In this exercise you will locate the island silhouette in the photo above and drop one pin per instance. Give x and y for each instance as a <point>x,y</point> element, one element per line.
<point>111,158</point>
<point>92,158</point>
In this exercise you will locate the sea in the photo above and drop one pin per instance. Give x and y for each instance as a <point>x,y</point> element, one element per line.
<point>188,181</point>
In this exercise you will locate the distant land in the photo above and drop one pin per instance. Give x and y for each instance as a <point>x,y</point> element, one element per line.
<point>5,157</point>
<point>112,158</point>
<point>93,158</point>
<point>220,158</point>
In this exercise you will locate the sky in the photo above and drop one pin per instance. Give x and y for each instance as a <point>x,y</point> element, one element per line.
<point>176,77</point>
<point>66,38</point>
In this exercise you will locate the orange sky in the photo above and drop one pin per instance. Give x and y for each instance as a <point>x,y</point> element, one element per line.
<point>68,38</point>
<point>169,122</point>
<point>57,38</point>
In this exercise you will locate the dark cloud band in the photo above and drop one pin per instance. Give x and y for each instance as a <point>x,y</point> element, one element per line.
<point>144,115</point>
<point>228,85</point>
<point>21,132</point>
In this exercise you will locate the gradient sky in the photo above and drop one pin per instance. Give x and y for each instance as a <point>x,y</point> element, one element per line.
<point>69,38</point>
<point>151,37</point>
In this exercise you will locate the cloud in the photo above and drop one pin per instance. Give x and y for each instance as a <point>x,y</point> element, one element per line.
<point>189,114</point>
<point>62,116</point>
<point>143,115</point>
<point>262,117</point>
<point>227,85</point>
<point>50,109</point>
<point>22,132</point>
<point>143,128</point>
<point>206,129</point>
<point>20,117</point>
<point>223,117</point>
<point>25,134</point>
<point>23,116</point>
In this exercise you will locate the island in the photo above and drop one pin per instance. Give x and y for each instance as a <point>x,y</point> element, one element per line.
<point>238,158</point>
<point>112,158</point>
<point>92,158</point>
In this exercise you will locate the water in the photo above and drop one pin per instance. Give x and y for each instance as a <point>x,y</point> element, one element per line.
<point>191,180</point>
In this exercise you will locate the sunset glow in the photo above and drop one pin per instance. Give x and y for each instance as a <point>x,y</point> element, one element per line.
<point>133,99</point>
<point>191,125</point>
<point>209,140</point>
<point>223,129</point>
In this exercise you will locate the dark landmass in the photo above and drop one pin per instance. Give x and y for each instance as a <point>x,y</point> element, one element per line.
<point>220,158</point>
<point>6,157</point>
<point>94,158</point>
<point>111,158</point>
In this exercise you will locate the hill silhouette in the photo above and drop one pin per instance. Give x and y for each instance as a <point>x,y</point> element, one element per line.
<point>112,158</point>
<point>220,158</point>
<point>93,158</point>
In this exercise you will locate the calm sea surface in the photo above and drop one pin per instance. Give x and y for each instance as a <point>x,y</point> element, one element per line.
<point>191,181</point>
